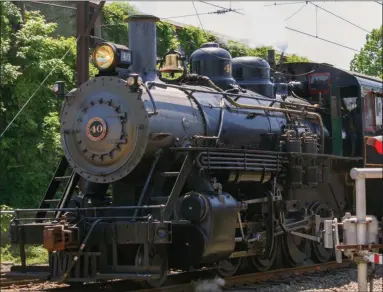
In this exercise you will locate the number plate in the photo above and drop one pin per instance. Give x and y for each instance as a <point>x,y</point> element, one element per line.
<point>96,129</point>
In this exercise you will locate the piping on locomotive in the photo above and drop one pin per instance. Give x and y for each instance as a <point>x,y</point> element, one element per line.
<point>182,174</point>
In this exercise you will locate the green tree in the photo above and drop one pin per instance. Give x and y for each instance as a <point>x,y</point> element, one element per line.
<point>295,59</point>
<point>115,29</point>
<point>369,60</point>
<point>191,38</point>
<point>29,150</point>
<point>63,16</point>
<point>260,52</point>
<point>236,49</point>
<point>166,37</point>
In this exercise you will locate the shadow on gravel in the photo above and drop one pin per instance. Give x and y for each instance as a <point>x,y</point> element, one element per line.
<point>326,281</point>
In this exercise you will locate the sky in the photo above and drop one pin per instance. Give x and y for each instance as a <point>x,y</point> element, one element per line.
<point>265,25</point>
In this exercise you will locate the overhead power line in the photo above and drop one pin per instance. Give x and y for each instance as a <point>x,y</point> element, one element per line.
<point>304,5</point>
<point>381,3</point>
<point>232,10</point>
<point>322,39</point>
<point>340,17</point>
<point>219,11</point>
<point>288,3</point>
<point>227,59</point>
<point>56,5</point>
<point>200,22</point>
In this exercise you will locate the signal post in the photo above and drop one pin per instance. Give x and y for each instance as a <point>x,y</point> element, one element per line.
<point>360,232</point>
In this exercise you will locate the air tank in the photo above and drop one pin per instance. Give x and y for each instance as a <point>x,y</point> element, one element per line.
<point>214,62</point>
<point>253,73</point>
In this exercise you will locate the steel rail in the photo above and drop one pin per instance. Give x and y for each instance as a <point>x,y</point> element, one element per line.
<point>255,278</point>
<point>230,282</point>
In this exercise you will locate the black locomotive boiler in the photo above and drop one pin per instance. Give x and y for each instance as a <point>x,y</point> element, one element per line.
<point>181,175</point>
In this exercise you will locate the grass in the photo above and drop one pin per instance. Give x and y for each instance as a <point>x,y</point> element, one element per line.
<point>36,254</point>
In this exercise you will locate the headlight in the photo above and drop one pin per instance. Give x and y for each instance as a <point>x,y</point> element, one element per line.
<point>103,56</point>
<point>108,56</point>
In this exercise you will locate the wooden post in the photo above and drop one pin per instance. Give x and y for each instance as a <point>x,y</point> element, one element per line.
<point>84,27</point>
<point>82,62</point>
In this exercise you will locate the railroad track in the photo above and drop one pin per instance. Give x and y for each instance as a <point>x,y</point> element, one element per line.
<point>6,283</point>
<point>231,283</point>
<point>247,280</point>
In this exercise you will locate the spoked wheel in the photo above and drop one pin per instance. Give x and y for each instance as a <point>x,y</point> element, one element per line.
<point>294,248</point>
<point>229,267</point>
<point>319,253</point>
<point>155,259</point>
<point>263,264</point>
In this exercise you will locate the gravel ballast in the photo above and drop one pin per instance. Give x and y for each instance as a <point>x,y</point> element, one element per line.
<point>332,281</point>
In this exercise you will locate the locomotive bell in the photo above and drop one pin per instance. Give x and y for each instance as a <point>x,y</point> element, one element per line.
<point>172,64</point>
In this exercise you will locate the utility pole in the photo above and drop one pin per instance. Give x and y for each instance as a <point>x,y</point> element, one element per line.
<point>84,27</point>
<point>82,62</point>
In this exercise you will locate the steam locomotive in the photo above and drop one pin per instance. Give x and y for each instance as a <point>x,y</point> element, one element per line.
<point>182,174</point>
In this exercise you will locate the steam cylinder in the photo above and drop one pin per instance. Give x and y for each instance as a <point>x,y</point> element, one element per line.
<point>215,62</point>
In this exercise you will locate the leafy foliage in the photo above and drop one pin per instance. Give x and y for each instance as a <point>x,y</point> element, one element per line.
<point>236,49</point>
<point>114,29</point>
<point>9,17</point>
<point>191,38</point>
<point>294,58</point>
<point>369,60</point>
<point>166,37</point>
<point>30,148</point>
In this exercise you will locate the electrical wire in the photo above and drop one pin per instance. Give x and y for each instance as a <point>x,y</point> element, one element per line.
<point>322,39</point>
<point>244,65</point>
<point>233,10</point>
<point>218,12</point>
<point>339,17</point>
<point>304,5</point>
<point>288,3</point>
<point>205,13</point>
<point>381,3</point>
<point>200,22</point>
<point>56,5</point>
<point>34,93</point>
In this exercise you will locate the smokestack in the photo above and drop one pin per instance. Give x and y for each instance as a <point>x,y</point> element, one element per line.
<point>281,59</point>
<point>143,43</point>
<point>271,58</point>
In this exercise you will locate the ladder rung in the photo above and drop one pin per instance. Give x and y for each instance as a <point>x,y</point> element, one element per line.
<point>167,174</point>
<point>62,177</point>
<point>52,201</point>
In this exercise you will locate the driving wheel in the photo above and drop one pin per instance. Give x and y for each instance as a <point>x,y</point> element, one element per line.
<point>262,263</point>
<point>156,258</point>
<point>319,253</point>
<point>294,248</point>
<point>229,267</point>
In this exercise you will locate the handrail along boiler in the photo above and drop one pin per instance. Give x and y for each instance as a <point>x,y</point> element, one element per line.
<point>181,174</point>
